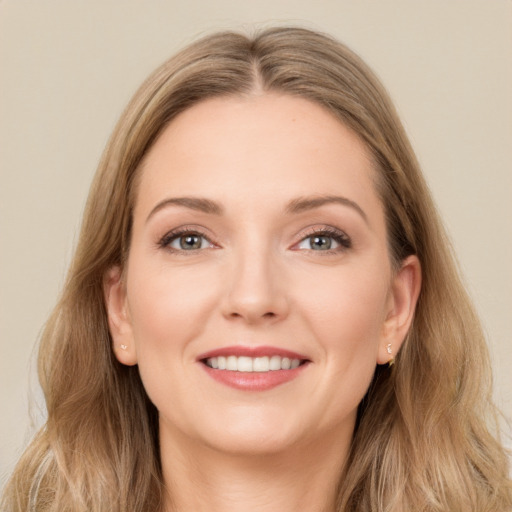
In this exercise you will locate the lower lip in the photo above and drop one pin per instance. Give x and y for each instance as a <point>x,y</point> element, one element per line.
<point>254,381</point>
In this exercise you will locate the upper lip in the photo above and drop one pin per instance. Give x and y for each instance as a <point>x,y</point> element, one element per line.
<point>258,351</point>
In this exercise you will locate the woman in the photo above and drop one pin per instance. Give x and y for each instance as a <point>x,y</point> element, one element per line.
<point>263,312</point>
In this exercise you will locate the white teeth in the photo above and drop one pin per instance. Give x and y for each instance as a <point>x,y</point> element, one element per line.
<point>275,363</point>
<point>260,364</point>
<point>252,364</point>
<point>231,363</point>
<point>244,364</point>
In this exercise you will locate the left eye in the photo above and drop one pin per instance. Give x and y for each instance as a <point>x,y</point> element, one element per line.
<point>189,242</point>
<point>319,243</point>
<point>325,241</point>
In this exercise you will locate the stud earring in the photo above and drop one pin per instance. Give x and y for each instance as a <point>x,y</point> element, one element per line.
<point>389,350</point>
<point>124,347</point>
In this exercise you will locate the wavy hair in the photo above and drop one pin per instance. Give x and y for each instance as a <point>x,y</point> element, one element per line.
<point>426,438</point>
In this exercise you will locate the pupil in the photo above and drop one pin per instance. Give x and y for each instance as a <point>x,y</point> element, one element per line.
<point>321,242</point>
<point>190,242</point>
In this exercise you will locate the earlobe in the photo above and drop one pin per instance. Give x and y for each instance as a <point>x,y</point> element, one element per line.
<point>405,290</point>
<point>118,317</point>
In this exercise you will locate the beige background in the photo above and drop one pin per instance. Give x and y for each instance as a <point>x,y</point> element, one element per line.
<point>67,68</point>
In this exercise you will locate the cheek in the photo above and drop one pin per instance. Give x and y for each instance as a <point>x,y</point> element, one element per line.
<point>167,307</point>
<point>168,311</point>
<point>347,309</point>
<point>344,312</point>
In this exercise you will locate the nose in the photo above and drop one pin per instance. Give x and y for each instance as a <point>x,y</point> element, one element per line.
<point>255,290</point>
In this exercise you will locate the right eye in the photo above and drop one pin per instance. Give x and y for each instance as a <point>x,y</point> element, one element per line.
<point>185,241</point>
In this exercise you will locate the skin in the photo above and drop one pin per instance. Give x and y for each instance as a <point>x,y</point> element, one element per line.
<point>258,279</point>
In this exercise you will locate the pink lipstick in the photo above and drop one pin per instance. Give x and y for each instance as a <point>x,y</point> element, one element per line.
<point>253,368</point>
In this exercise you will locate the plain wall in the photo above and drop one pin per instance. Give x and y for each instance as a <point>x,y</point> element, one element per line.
<point>67,69</point>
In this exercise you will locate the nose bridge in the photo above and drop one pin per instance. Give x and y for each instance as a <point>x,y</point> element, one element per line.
<point>254,288</point>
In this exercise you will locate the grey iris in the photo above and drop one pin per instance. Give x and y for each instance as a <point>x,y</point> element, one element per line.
<point>320,243</point>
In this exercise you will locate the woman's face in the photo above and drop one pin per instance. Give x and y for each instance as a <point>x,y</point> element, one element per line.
<point>258,241</point>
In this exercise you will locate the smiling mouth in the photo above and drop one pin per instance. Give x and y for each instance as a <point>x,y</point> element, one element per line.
<point>253,364</point>
<point>252,369</point>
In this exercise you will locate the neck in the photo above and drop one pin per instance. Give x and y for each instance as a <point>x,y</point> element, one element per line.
<point>304,477</point>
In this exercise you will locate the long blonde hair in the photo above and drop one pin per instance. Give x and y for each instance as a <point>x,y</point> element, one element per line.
<point>426,434</point>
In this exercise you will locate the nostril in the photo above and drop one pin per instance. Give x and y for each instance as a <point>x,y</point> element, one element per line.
<point>250,317</point>
<point>254,307</point>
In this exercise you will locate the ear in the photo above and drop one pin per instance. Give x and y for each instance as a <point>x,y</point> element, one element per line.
<point>404,293</point>
<point>118,317</point>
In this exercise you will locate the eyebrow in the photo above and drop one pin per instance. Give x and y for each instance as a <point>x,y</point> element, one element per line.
<point>298,205</point>
<point>194,203</point>
<point>302,204</point>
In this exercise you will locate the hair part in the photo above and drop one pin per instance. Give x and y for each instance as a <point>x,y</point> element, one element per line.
<point>426,435</point>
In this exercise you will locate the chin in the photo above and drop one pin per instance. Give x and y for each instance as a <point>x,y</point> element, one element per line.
<point>242,430</point>
<point>266,431</point>
<point>253,441</point>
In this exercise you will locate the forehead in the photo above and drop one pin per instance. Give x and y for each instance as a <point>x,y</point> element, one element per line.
<point>256,148</point>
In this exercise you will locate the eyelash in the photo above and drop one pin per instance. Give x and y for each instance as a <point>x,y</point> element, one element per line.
<point>175,234</point>
<point>337,235</point>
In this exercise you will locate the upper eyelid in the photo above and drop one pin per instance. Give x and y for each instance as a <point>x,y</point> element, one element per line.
<point>330,230</point>
<point>182,230</point>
